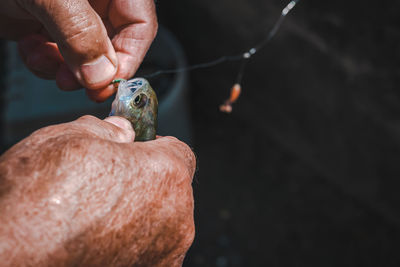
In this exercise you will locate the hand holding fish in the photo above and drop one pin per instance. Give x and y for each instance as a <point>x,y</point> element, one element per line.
<point>81,42</point>
<point>84,194</point>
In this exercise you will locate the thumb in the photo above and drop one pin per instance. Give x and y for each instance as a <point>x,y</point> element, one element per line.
<point>81,38</point>
<point>116,129</point>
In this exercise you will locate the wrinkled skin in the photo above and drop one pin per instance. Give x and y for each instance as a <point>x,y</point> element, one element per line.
<point>81,43</point>
<point>64,202</point>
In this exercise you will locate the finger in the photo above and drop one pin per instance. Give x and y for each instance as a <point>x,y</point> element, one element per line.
<point>178,149</point>
<point>116,129</point>
<point>81,38</point>
<point>29,44</point>
<point>136,25</point>
<point>101,7</point>
<point>121,122</point>
<point>40,56</point>
<point>66,80</point>
<point>102,94</point>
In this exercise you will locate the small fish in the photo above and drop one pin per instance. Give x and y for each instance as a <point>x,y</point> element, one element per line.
<point>137,102</point>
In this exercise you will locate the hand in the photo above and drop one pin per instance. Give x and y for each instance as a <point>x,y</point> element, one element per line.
<point>81,42</point>
<point>82,193</point>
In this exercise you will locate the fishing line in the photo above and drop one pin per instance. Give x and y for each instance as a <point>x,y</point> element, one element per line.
<point>244,57</point>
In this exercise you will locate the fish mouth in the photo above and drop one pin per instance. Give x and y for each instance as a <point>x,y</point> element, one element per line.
<point>134,84</point>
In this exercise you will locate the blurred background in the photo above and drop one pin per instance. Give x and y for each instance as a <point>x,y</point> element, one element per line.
<point>305,171</point>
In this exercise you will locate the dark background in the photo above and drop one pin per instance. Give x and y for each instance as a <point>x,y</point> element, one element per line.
<point>305,171</point>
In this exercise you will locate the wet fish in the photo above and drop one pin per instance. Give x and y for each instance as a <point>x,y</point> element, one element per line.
<point>137,102</point>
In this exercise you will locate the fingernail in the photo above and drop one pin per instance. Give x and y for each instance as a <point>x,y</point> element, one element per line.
<point>98,71</point>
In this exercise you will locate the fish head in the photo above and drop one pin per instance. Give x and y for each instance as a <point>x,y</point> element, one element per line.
<point>137,102</point>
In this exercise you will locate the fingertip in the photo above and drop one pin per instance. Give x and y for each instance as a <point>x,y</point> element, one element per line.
<point>120,122</point>
<point>102,94</point>
<point>128,64</point>
<point>128,133</point>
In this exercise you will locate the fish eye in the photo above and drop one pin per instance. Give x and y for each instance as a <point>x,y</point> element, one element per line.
<point>140,100</point>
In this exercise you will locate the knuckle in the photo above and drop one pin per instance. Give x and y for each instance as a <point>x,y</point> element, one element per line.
<point>171,138</point>
<point>85,35</point>
<point>182,155</point>
<point>181,169</point>
<point>77,148</point>
<point>81,31</point>
<point>48,132</point>
<point>187,157</point>
<point>87,118</point>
